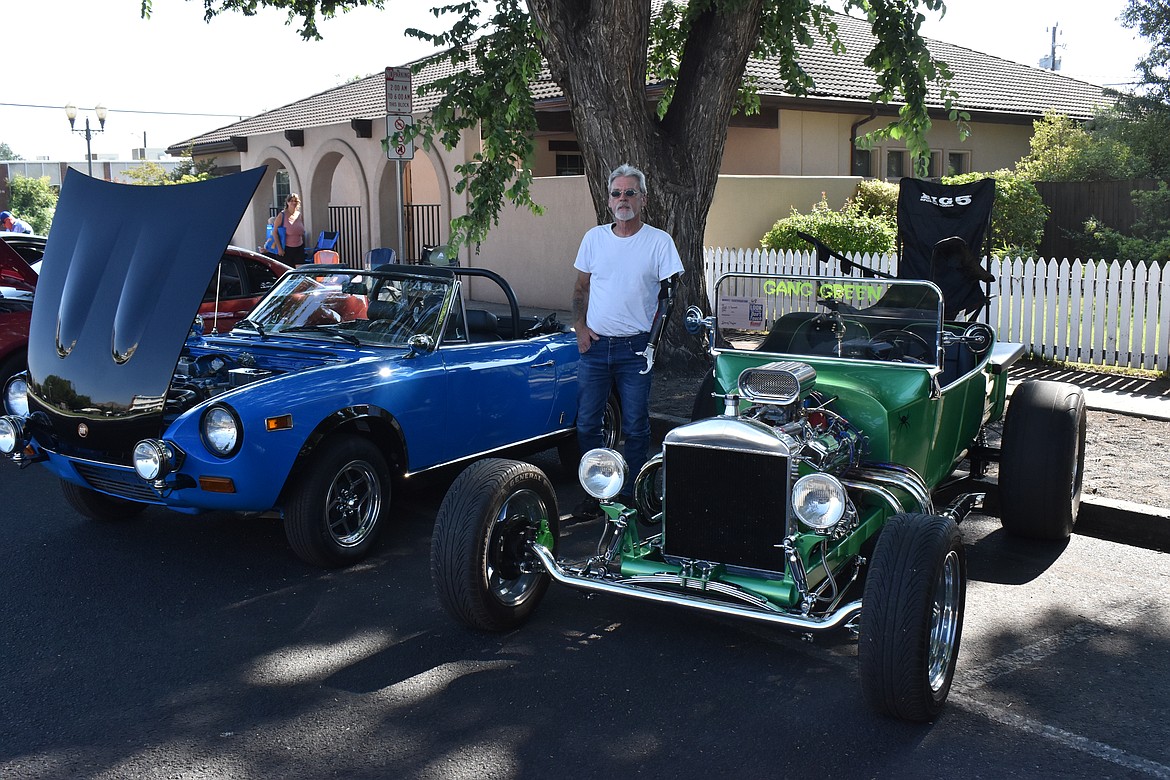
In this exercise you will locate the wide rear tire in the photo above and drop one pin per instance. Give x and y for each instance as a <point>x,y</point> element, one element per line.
<point>912,616</point>
<point>1042,465</point>
<point>483,571</point>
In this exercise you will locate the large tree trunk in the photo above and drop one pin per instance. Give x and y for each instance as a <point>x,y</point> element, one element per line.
<point>596,50</point>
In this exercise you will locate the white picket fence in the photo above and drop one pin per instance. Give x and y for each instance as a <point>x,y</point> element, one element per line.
<point>1083,311</point>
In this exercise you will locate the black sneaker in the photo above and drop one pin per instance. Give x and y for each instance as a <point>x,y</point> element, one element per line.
<point>588,509</point>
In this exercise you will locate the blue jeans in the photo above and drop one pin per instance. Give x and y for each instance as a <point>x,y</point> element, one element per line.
<point>614,362</point>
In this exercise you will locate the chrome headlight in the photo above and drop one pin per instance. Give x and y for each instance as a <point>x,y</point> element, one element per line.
<point>602,473</point>
<point>819,501</point>
<point>11,434</point>
<point>154,459</point>
<point>16,396</point>
<point>221,431</point>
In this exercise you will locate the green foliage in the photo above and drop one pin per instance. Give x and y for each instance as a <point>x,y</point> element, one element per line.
<point>877,198</point>
<point>492,51</point>
<point>1151,18</point>
<point>489,88</point>
<point>847,231</point>
<point>1149,240</point>
<point>905,67</point>
<point>1017,220</point>
<point>6,152</point>
<point>189,170</point>
<point>1143,126</point>
<point>1063,150</point>
<point>150,173</point>
<point>33,200</point>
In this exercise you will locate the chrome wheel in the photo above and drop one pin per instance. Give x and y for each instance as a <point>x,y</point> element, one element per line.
<point>508,578</point>
<point>353,503</point>
<point>482,566</point>
<point>944,623</point>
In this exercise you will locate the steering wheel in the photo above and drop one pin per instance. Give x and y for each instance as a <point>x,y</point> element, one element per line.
<point>908,346</point>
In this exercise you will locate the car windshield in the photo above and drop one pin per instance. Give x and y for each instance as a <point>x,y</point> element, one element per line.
<point>355,306</point>
<point>892,320</point>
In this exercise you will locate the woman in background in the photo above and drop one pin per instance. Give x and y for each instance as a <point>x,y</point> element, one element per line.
<point>292,249</point>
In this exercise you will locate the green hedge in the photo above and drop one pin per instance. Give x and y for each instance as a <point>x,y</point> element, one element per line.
<point>846,231</point>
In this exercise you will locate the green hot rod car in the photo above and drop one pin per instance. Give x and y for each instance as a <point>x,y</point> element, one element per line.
<point>823,490</point>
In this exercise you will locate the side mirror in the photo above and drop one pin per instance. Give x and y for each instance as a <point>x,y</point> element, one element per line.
<point>694,320</point>
<point>420,344</point>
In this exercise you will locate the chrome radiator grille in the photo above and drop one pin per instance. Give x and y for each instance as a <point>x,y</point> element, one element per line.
<point>710,516</point>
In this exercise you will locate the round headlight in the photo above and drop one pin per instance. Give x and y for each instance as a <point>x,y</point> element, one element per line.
<point>10,434</point>
<point>148,459</point>
<point>819,501</point>
<point>16,396</point>
<point>221,431</point>
<point>602,473</point>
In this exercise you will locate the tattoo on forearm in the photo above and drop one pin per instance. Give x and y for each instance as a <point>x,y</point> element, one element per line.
<point>580,305</point>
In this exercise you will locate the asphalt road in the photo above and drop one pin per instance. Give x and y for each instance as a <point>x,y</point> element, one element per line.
<point>184,647</point>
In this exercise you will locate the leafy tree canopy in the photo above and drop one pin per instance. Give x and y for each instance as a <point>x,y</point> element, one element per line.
<point>603,54</point>
<point>1151,18</point>
<point>187,171</point>
<point>1063,150</point>
<point>6,152</point>
<point>497,47</point>
<point>33,200</point>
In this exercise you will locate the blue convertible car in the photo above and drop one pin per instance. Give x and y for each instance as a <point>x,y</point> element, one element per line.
<point>340,380</point>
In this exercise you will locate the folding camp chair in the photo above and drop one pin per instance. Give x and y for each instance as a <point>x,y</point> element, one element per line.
<point>327,239</point>
<point>380,256</point>
<point>944,231</point>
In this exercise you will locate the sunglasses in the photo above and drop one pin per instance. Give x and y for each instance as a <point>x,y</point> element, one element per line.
<point>627,193</point>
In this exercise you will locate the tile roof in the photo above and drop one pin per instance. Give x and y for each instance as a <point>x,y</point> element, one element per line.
<point>984,83</point>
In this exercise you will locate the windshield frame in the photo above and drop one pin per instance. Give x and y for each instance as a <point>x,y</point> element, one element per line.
<point>794,316</point>
<point>317,302</point>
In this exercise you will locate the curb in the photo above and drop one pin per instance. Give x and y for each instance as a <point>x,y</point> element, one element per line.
<point>1123,522</point>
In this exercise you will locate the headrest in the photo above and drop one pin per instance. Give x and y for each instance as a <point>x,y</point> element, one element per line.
<point>382,310</point>
<point>481,321</point>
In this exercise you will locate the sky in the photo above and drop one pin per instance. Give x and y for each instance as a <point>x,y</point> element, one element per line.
<point>147,71</point>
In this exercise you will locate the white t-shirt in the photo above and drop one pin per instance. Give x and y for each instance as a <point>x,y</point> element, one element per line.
<point>624,276</point>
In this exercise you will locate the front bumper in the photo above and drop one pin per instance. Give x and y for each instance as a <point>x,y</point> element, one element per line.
<point>650,588</point>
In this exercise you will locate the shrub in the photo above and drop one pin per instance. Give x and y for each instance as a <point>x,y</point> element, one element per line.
<point>876,198</point>
<point>1017,220</point>
<point>846,231</point>
<point>33,200</point>
<point>1149,241</point>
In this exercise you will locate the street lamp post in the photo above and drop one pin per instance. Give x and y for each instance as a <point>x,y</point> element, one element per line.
<point>71,113</point>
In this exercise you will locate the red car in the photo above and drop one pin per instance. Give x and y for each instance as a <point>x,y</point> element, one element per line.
<point>242,279</point>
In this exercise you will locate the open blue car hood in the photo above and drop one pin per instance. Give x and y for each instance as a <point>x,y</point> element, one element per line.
<point>124,272</point>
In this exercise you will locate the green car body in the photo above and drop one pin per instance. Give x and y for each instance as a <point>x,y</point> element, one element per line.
<point>808,492</point>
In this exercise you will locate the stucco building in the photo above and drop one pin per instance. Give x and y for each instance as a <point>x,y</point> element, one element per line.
<point>328,147</point>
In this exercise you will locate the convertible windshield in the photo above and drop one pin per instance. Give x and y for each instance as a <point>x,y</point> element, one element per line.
<point>862,319</point>
<point>359,307</point>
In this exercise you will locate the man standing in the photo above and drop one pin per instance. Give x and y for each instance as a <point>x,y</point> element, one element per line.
<point>620,268</point>
<point>12,224</point>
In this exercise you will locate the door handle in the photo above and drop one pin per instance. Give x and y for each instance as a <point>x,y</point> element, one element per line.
<point>545,364</point>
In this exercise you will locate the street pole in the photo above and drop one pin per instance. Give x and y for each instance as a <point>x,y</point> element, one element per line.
<point>71,115</point>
